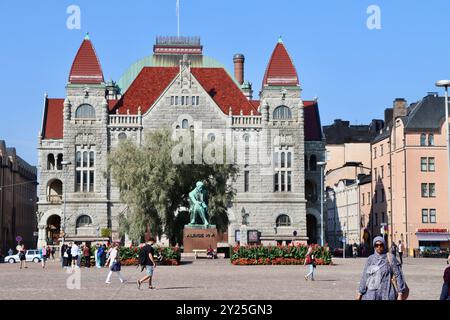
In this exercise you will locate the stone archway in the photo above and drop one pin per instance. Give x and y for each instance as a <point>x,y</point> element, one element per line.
<point>53,230</point>
<point>43,222</point>
<point>311,228</point>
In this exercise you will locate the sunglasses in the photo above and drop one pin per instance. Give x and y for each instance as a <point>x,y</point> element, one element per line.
<point>379,245</point>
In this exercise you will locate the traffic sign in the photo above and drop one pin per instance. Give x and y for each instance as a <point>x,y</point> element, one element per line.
<point>18,238</point>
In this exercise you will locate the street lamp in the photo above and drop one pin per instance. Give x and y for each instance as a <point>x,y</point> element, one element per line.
<point>64,164</point>
<point>445,84</point>
<point>322,165</point>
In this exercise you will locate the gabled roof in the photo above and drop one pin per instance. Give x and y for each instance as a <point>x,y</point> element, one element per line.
<point>312,126</point>
<point>52,128</point>
<point>86,67</point>
<point>152,81</point>
<point>428,114</point>
<point>280,70</point>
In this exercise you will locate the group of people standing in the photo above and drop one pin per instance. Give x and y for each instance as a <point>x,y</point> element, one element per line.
<point>46,254</point>
<point>72,255</point>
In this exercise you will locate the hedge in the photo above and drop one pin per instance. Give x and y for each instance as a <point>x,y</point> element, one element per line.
<point>278,255</point>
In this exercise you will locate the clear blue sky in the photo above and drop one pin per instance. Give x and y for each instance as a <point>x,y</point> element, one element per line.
<point>355,72</point>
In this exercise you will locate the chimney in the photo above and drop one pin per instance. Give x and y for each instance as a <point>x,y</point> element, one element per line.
<point>238,60</point>
<point>388,113</point>
<point>399,108</point>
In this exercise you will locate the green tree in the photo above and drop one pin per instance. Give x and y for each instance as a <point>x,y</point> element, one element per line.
<point>153,187</point>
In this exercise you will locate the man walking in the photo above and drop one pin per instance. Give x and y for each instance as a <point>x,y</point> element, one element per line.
<point>75,252</point>
<point>148,262</point>
<point>400,251</point>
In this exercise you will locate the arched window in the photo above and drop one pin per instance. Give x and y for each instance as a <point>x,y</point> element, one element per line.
<point>313,163</point>
<point>211,137</point>
<point>185,124</point>
<point>282,113</point>
<point>283,221</point>
<point>59,161</point>
<point>122,136</point>
<point>310,191</point>
<point>423,138</point>
<point>431,139</point>
<point>50,162</point>
<point>306,163</point>
<point>84,221</point>
<point>85,111</point>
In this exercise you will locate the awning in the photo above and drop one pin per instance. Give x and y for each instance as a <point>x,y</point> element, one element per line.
<point>432,236</point>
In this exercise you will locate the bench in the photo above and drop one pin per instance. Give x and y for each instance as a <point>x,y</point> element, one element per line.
<point>202,251</point>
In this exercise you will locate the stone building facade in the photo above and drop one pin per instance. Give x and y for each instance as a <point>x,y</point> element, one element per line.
<point>18,186</point>
<point>180,88</point>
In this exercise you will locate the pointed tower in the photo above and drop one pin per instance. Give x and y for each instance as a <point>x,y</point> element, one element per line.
<point>280,70</point>
<point>85,144</point>
<point>86,67</point>
<point>282,113</point>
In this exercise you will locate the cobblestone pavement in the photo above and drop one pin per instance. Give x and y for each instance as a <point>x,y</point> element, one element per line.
<point>213,279</point>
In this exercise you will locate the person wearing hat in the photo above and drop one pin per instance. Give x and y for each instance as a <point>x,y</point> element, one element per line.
<point>382,278</point>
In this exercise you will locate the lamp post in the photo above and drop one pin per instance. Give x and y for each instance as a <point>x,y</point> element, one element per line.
<point>322,165</point>
<point>445,84</point>
<point>64,164</point>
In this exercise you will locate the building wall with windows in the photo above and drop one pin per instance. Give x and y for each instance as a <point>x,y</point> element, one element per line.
<point>415,183</point>
<point>17,200</point>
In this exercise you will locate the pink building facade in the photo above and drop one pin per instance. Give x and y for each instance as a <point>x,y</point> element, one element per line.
<point>409,177</point>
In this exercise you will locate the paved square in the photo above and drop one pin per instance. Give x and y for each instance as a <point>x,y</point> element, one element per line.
<point>214,279</point>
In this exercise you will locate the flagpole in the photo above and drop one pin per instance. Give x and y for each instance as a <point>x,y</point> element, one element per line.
<point>178,18</point>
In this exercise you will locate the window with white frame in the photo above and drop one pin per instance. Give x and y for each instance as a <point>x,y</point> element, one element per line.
<point>283,170</point>
<point>84,169</point>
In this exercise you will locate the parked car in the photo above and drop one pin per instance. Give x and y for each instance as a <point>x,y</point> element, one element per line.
<point>30,255</point>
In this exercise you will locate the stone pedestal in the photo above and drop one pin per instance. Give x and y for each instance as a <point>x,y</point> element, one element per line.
<point>199,237</point>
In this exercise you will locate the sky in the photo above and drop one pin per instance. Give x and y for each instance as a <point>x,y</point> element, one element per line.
<point>354,71</point>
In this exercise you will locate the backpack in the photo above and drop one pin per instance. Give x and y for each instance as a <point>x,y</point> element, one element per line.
<point>143,257</point>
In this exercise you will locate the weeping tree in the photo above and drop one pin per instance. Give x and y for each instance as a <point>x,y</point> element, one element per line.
<point>154,188</point>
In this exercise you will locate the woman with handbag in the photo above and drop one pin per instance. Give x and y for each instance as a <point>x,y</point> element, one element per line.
<point>382,278</point>
<point>310,260</point>
<point>114,263</point>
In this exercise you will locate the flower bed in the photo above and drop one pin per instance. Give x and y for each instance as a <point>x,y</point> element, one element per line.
<point>278,255</point>
<point>171,256</point>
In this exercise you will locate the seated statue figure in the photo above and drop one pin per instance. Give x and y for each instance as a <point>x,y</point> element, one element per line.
<point>198,206</point>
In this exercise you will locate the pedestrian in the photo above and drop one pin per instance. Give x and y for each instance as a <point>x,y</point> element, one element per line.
<point>400,251</point>
<point>10,252</point>
<point>103,259</point>
<point>87,256</point>
<point>382,278</point>
<point>52,253</point>
<point>355,251</point>
<point>22,256</point>
<point>74,251</point>
<point>445,292</point>
<point>148,262</point>
<point>69,255</point>
<point>43,256</point>
<point>114,263</point>
<point>64,256</point>
<point>99,255</point>
<point>394,249</point>
<point>311,261</point>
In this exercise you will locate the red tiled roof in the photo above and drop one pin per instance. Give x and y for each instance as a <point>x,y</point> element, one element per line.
<point>53,119</point>
<point>145,89</point>
<point>280,70</point>
<point>223,90</point>
<point>86,66</point>
<point>255,103</point>
<point>312,126</point>
<point>152,81</point>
